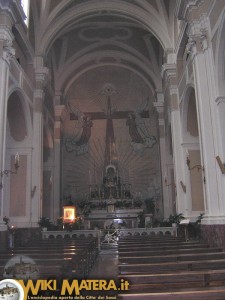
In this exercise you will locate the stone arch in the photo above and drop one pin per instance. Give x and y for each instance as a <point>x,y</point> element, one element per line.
<point>189,114</point>
<point>87,9</point>
<point>75,68</point>
<point>18,137</point>
<point>20,115</point>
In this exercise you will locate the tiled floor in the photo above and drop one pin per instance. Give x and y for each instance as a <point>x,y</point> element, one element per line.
<point>106,265</point>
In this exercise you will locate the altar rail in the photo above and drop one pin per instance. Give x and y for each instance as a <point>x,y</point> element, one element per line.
<point>70,234</point>
<point>64,234</point>
<point>148,231</point>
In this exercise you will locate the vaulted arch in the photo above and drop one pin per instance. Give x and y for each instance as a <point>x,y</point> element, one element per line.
<point>67,19</point>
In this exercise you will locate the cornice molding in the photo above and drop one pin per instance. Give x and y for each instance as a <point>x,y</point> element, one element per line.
<point>168,70</point>
<point>169,74</point>
<point>14,10</point>
<point>184,8</point>
<point>42,77</point>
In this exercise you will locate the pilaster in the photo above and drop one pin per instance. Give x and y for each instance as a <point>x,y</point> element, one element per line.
<point>41,76</point>
<point>205,90</point>
<point>159,106</point>
<point>170,83</point>
<point>7,53</point>
<point>60,114</point>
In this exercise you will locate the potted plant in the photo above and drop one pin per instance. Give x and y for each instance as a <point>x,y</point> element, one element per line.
<point>175,219</point>
<point>44,223</point>
<point>6,220</point>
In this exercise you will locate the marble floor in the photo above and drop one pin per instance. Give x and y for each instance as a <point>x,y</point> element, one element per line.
<point>106,265</point>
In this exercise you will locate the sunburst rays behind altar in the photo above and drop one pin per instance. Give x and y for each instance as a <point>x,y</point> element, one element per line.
<point>84,173</point>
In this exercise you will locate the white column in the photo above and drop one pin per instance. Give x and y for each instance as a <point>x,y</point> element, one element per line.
<point>169,75</point>
<point>6,54</point>
<point>206,109</point>
<point>41,73</point>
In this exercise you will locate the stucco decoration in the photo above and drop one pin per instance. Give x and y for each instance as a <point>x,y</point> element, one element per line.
<point>79,142</point>
<point>140,136</point>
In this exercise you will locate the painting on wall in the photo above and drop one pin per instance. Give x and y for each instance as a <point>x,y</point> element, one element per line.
<point>69,214</point>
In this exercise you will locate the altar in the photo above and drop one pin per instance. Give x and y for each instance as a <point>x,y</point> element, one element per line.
<point>110,203</point>
<point>112,218</point>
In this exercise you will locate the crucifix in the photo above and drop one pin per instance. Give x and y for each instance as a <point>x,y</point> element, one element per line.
<point>110,115</point>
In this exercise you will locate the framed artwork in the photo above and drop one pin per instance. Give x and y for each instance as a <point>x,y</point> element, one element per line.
<point>69,214</point>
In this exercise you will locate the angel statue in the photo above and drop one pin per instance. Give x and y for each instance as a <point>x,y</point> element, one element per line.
<point>79,143</point>
<point>140,137</point>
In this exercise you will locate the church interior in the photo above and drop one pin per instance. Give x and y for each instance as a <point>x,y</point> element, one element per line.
<point>112,142</point>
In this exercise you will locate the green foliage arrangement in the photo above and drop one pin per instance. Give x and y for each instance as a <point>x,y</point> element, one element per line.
<point>45,222</point>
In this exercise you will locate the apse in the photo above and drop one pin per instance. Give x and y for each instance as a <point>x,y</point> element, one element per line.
<point>110,121</point>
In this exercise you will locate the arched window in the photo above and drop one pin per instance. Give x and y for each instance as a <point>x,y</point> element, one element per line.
<point>25,4</point>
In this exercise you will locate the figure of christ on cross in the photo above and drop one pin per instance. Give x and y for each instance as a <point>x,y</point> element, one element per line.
<point>110,139</point>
